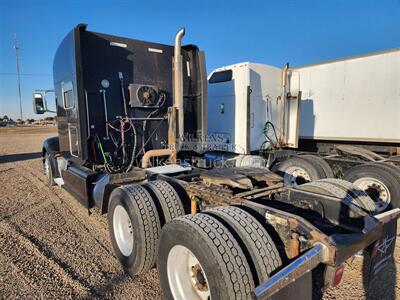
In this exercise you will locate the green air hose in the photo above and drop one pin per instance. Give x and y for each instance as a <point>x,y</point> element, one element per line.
<point>103,155</point>
<point>101,149</point>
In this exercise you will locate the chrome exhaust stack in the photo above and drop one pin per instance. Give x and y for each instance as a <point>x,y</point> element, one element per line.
<point>178,82</point>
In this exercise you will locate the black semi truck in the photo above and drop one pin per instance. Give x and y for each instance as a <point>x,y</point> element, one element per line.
<point>125,109</point>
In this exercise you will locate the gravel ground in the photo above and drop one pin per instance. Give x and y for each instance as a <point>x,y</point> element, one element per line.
<point>51,249</point>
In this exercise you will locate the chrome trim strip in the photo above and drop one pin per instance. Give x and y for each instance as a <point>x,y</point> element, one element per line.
<point>155,50</point>
<point>87,113</point>
<point>115,44</point>
<point>105,110</point>
<point>70,141</point>
<point>290,273</point>
<point>388,216</point>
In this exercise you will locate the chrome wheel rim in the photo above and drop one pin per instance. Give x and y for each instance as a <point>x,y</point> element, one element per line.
<point>186,276</point>
<point>123,232</point>
<point>295,176</point>
<point>377,190</point>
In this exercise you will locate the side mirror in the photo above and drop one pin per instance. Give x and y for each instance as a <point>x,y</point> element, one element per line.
<point>38,103</point>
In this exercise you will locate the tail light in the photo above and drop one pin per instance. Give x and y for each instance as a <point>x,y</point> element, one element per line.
<point>333,275</point>
<point>338,275</point>
<point>375,249</point>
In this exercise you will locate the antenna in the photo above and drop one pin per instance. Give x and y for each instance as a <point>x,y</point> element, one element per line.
<point>16,46</point>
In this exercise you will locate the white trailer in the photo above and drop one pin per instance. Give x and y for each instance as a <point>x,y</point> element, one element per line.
<point>342,110</point>
<point>355,99</point>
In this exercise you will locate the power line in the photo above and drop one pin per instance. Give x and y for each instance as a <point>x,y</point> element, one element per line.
<point>24,74</point>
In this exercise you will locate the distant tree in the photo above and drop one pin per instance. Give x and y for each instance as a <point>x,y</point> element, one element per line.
<point>19,120</point>
<point>49,119</point>
<point>5,117</point>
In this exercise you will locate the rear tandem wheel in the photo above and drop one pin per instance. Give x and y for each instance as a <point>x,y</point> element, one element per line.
<point>222,253</point>
<point>380,181</point>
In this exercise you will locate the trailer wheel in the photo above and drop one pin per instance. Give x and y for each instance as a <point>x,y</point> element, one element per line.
<point>134,228</point>
<point>48,170</point>
<point>297,170</point>
<point>360,197</point>
<point>394,168</point>
<point>259,248</point>
<point>198,258</point>
<point>381,182</point>
<point>168,198</point>
<point>335,188</point>
<point>322,163</point>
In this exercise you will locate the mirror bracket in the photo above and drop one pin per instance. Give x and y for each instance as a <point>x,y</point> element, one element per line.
<point>43,107</point>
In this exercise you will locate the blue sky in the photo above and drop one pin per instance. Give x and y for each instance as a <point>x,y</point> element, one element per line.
<point>271,32</point>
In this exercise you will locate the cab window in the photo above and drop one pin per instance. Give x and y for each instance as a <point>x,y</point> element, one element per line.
<point>221,76</point>
<point>68,95</point>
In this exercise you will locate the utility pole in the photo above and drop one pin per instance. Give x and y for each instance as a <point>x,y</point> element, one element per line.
<point>16,46</point>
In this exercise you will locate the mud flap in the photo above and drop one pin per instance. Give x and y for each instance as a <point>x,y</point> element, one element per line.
<point>381,252</point>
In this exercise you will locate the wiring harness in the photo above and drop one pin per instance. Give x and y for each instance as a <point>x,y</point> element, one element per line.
<point>268,130</point>
<point>119,131</point>
<point>123,135</point>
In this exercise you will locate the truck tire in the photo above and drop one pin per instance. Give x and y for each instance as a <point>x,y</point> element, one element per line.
<point>168,199</point>
<point>337,190</point>
<point>183,195</point>
<point>362,199</point>
<point>48,170</point>
<point>134,228</point>
<point>395,158</point>
<point>394,168</point>
<point>199,258</point>
<point>257,244</point>
<point>380,181</point>
<point>297,170</point>
<point>322,163</point>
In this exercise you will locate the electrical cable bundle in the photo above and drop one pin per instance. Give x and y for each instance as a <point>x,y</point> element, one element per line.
<point>269,128</point>
<point>118,131</point>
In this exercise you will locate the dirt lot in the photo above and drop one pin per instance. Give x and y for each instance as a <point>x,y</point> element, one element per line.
<point>51,249</point>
